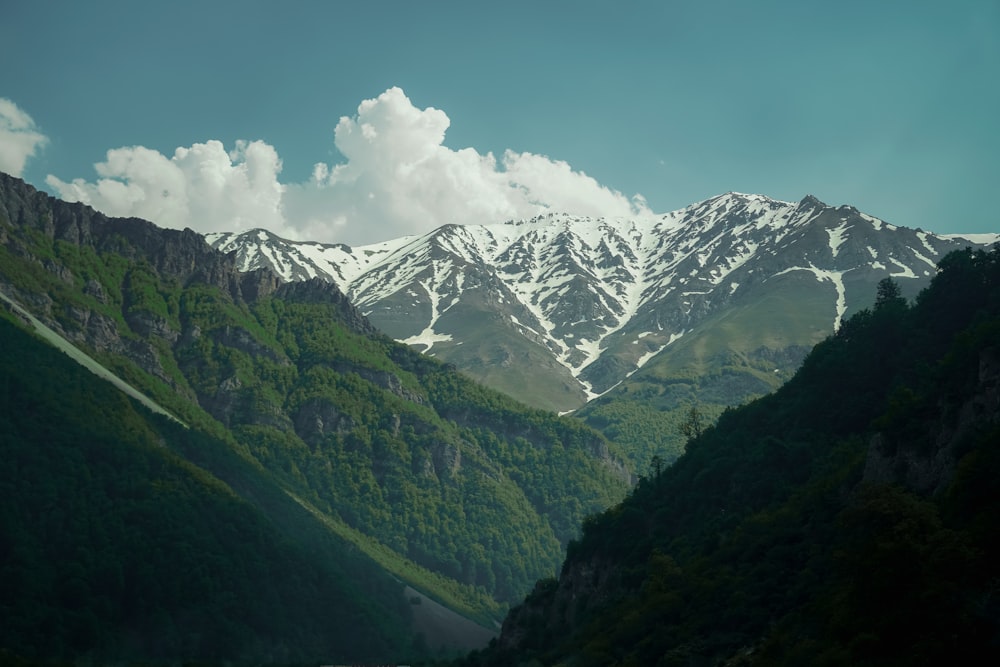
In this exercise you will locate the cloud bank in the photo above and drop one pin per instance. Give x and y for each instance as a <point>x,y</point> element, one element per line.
<point>19,138</point>
<point>398,179</point>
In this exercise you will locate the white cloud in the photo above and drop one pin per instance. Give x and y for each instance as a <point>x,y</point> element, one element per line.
<point>398,178</point>
<point>19,138</point>
<point>202,187</point>
<point>545,180</point>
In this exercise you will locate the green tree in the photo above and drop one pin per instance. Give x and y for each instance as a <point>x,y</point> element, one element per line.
<point>692,426</point>
<point>656,463</point>
<point>887,293</point>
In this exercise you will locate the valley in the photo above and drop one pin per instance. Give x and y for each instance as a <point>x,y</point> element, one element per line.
<point>386,471</point>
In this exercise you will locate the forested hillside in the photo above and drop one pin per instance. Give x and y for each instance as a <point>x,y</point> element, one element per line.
<point>847,519</point>
<point>454,489</point>
<point>115,547</point>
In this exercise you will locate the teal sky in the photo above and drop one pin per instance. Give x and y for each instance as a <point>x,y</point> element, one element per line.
<point>890,106</point>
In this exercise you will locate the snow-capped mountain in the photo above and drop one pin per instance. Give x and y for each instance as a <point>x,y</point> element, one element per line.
<point>559,309</point>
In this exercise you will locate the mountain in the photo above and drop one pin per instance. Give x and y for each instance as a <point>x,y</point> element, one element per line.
<point>849,518</point>
<point>630,322</point>
<point>353,447</point>
<point>601,297</point>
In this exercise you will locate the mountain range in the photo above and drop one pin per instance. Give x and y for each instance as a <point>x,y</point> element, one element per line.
<point>559,310</point>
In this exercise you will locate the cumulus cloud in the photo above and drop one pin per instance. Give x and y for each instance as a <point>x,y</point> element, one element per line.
<point>203,187</point>
<point>19,138</point>
<point>398,178</point>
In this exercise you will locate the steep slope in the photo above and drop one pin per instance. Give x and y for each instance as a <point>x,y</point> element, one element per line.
<point>457,490</point>
<point>847,519</point>
<point>558,309</point>
<point>116,548</point>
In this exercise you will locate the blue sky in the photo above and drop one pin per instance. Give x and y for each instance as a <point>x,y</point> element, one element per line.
<point>498,110</point>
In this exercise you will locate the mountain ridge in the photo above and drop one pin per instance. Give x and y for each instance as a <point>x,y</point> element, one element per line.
<point>594,300</point>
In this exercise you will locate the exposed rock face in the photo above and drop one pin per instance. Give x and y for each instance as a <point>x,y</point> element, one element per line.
<point>558,606</point>
<point>317,418</point>
<point>95,289</point>
<point>258,284</point>
<point>447,459</point>
<point>147,324</point>
<point>927,468</point>
<point>241,340</point>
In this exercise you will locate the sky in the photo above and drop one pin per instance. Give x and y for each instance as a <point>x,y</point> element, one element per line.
<point>356,122</point>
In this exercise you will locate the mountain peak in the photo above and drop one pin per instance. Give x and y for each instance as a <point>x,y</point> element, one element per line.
<point>810,201</point>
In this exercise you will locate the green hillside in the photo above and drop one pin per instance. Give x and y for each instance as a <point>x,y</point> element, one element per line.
<point>456,490</point>
<point>116,548</point>
<point>847,519</point>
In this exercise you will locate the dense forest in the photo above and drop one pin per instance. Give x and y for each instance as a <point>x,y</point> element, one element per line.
<point>114,547</point>
<point>309,414</point>
<point>847,519</point>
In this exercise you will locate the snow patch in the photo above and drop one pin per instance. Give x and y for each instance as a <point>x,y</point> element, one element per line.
<point>876,223</point>
<point>931,262</point>
<point>923,239</point>
<point>906,272</point>
<point>641,361</point>
<point>837,237</point>
<point>427,338</point>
